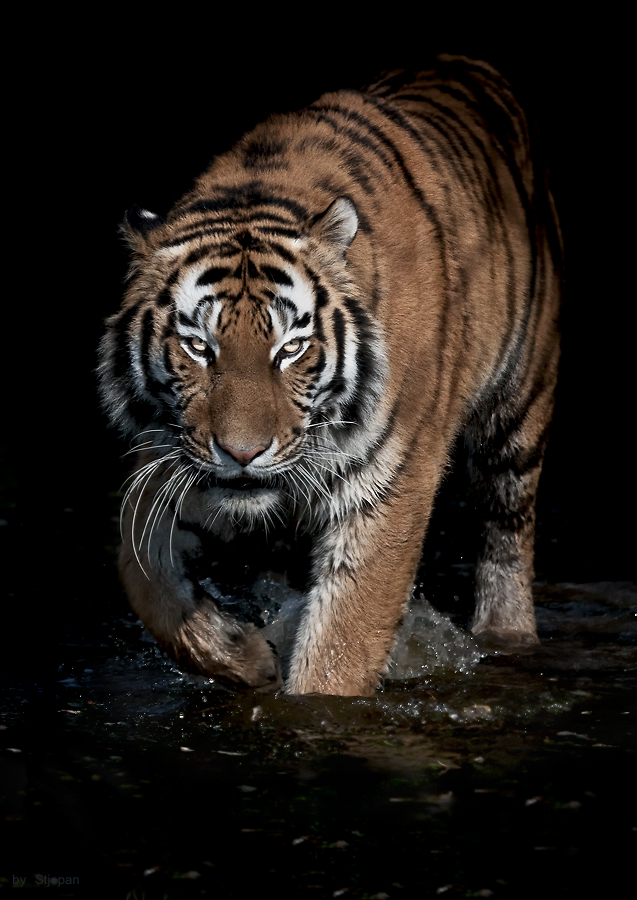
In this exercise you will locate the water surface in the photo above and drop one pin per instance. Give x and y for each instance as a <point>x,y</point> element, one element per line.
<point>470,773</point>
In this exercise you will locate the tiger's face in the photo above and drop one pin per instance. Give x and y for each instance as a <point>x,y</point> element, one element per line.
<point>249,370</point>
<point>258,362</point>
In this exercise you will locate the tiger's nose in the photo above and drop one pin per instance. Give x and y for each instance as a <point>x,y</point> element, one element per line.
<point>243,456</point>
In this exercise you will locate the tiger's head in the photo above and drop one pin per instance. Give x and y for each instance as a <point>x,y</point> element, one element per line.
<point>243,351</point>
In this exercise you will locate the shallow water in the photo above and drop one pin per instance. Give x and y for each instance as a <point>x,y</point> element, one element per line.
<point>470,773</point>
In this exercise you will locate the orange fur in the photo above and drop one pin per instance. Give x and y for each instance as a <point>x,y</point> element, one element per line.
<point>410,223</point>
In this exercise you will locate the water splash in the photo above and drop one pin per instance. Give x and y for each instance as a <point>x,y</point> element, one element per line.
<point>282,625</point>
<point>429,642</point>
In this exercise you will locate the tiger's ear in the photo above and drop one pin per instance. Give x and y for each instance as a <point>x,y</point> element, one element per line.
<point>137,227</point>
<point>338,224</point>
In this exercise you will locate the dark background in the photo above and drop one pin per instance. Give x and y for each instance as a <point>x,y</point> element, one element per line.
<point>99,114</point>
<point>103,122</point>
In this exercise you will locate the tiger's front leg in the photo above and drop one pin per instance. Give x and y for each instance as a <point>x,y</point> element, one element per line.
<point>363,573</point>
<point>154,568</point>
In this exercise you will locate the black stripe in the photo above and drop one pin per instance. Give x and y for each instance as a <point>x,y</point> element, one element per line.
<point>360,316</point>
<point>164,298</point>
<point>304,408</point>
<point>354,136</point>
<point>286,304</point>
<point>195,255</point>
<point>319,333</point>
<point>120,355</point>
<point>212,276</point>
<point>337,382</point>
<point>444,121</point>
<point>366,361</point>
<point>195,235</point>
<point>167,362</point>
<point>148,331</point>
<point>427,207</point>
<point>392,82</point>
<point>148,328</point>
<point>250,269</point>
<point>302,321</point>
<point>248,218</point>
<point>356,166</point>
<point>277,275</point>
<point>281,251</point>
<point>318,367</point>
<point>229,248</point>
<point>258,149</point>
<point>320,292</point>
<point>278,231</point>
<point>376,449</point>
<point>248,196</point>
<point>501,116</point>
<point>451,142</point>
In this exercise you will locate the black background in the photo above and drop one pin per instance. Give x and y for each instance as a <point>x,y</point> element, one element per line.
<point>105,118</point>
<point>99,115</point>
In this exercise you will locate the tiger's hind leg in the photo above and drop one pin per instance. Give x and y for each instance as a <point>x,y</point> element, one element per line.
<point>506,444</point>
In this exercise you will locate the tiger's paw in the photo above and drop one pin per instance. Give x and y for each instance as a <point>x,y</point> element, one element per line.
<point>259,667</point>
<point>505,640</point>
<point>236,655</point>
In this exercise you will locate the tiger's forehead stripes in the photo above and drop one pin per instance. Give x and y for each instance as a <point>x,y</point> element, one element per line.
<point>219,225</point>
<point>252,207</point>
<point>244,316</point>
<point>256,198</point>
<point>279,301</point>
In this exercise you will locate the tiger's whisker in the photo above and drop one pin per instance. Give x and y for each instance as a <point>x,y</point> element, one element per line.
<point>146,446</point>
<point>161,502</point>
<point>178,507</point>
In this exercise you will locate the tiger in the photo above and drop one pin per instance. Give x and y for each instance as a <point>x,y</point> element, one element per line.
<point>341,297</point>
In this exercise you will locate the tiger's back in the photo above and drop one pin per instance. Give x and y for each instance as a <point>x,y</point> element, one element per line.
<point>337,298</point>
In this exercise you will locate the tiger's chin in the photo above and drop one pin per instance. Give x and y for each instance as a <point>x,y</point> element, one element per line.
<point>245,505</point>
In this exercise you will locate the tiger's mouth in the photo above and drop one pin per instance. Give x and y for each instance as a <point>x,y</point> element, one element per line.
<point>244,483</point>
<point>240,483</point>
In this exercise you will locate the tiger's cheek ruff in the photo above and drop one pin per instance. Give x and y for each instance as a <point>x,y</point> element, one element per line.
<point>303,339</point>
<point>135,377</point>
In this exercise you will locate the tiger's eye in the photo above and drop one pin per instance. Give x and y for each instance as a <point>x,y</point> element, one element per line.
<point>198,345</point>
<point>292,346</point>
